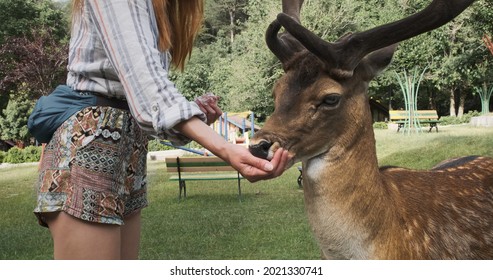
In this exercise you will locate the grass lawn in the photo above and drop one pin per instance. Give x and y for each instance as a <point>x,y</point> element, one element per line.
<point>211,223</point>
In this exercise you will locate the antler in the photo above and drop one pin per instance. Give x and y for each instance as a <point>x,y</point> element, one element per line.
<point>284,46</point>
<point>345,54</point>
<point>292,8</point>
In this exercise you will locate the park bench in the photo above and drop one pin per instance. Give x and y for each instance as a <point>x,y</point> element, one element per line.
<point>200,169</point>
<point>429,117</point>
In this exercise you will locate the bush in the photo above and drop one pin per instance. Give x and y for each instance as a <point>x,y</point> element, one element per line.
<point>380,125</point>
<point>466,118</point>
<point>32,153</point>
<point>14,155</point>
<point>156,145</point>
<point>17,155</point>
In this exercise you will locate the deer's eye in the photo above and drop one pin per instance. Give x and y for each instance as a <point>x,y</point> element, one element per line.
<point>332,100</point>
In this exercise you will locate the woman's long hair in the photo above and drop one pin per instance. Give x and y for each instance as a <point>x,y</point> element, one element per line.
<point>179,22</point>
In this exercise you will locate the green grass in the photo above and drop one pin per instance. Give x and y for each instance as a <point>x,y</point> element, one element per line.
<point>211,224</point>
<point>20,236</point>
<point>424,150</point>
<point>269,222</point>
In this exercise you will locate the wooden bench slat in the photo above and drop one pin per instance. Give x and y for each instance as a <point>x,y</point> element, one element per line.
<point>420,114</point>
<point>197,160</point>
<point>205,177</point>
<point>196,164</point>
<point>397,115</point>
<point>200,168</point>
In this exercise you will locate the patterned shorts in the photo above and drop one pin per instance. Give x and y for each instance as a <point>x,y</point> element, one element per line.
<point>94,167</point>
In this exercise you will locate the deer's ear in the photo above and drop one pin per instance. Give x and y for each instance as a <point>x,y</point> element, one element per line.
<point>375,62</point>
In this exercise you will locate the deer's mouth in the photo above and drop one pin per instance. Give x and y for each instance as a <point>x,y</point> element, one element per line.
<point>264,149</point>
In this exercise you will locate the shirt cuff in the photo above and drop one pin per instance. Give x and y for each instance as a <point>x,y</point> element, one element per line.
<point>165,119</point>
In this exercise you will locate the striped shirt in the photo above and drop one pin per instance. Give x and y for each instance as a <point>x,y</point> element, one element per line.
<point>114,53</point>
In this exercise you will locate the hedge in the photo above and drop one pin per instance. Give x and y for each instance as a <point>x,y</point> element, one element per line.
<point>17,155</point>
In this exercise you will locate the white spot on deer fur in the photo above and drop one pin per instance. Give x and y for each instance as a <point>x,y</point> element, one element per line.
<point>314,167</point>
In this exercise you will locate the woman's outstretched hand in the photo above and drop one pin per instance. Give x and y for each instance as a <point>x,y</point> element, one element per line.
<point>255,169</point>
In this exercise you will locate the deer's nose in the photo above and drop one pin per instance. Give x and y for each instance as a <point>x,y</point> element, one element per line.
<point>261,149</point>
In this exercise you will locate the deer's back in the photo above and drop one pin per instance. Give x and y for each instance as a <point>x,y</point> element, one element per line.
<point>447,212</point>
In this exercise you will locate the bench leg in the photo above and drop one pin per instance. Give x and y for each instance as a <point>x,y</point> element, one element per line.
<point>239,186</point>
<point>399,126</point>
<point>432,125</point>
<point>183,187</point>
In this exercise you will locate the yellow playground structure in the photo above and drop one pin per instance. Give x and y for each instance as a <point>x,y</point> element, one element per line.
<point>236,128</point>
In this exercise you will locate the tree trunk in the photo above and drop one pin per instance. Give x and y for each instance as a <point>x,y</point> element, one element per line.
<point>452,103</point>
<point>232,25</point>
<point>390,98</point>
<point>462,102</point>
<point>431,100</point>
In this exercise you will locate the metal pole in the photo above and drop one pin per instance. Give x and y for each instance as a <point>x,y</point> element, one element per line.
<point>226,136</point>
<point>252,124</point>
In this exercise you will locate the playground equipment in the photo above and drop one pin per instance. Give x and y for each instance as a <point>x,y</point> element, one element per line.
<point>236,128</point>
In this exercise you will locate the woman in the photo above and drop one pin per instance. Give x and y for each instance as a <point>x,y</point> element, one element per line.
<point>92,182</point>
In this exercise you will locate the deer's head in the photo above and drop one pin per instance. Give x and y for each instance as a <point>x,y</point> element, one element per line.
<point>321,101</point>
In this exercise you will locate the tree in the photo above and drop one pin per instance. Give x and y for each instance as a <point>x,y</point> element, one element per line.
<point>238,70</point>
<point>33,46</point>
<point>19,17</point>
<point>225,18</point>
<point>13,123</point>
<point>246,75</point>
<point>464,54</point>
<point>38,63</point>
<point>33,54</point>
<point>16,17</point>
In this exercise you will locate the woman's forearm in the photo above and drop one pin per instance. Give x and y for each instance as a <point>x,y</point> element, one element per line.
<point>200,132</point>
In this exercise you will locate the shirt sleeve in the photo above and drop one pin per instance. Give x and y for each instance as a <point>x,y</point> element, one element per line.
<point>129,39</point>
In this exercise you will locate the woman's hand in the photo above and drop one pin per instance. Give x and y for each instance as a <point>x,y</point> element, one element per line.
<point>255,169</point>
<point>208,104</point>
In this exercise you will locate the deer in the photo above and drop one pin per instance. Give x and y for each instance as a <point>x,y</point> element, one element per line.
<point>356,209</point>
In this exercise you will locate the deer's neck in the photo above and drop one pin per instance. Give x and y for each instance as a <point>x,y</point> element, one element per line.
<point>344,197</point>
<point>345,170</point>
